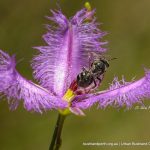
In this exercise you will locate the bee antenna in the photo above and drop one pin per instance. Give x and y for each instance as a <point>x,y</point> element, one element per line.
<point>113,58</point>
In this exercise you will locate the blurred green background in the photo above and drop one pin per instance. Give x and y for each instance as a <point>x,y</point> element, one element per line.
<point>128,23</point>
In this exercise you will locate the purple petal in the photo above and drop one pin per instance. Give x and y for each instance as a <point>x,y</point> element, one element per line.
<point>88,32</point>
<point>76,111</point>
<point>69,43</point>
<point>120,94</point>
<point>6,63</point>
<point>15,88</point>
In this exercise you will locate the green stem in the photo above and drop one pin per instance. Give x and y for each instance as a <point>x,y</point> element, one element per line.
<point>56,139</point>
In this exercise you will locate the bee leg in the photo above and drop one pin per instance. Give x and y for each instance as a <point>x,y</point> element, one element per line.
<point>99,79</point>
<point>95,84</point>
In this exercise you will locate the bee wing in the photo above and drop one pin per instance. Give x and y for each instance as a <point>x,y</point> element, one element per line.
<point>97,55</point>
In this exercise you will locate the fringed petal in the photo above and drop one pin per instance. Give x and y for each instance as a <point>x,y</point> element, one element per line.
<point>119,94</point>
<point>88,32</point>
<point>6,63</point>
<point>69,43</point>
<point>15,88</point>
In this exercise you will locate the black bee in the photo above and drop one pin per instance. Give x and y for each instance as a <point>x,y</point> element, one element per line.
<point>95,72</point>
<point>91,78</point>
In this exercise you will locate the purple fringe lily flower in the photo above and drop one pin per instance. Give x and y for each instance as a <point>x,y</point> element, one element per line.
<point>68,44</point>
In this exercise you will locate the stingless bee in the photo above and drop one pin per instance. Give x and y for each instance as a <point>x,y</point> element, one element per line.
<point>87,80</point>
<point>91,78</point>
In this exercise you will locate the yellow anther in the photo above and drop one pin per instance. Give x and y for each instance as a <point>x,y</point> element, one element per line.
<point>68,95</point>
<point>87,6</point>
